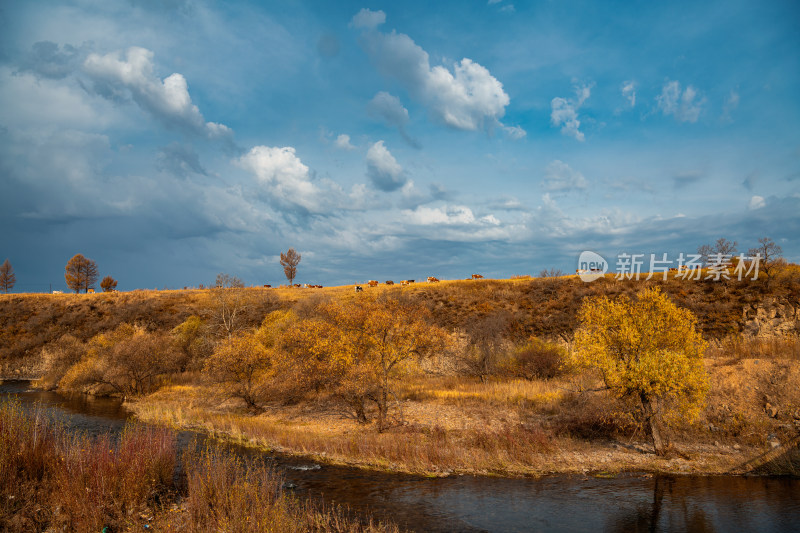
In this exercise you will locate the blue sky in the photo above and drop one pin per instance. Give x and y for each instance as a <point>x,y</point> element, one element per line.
<point>170,141</point>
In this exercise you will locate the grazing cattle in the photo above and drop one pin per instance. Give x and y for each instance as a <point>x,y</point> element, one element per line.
<point>267,286</point>
<point>389,282</point>
<point>477,276</point>
<point>372,283</point>
<point>296,285</point>
<point>431,279</point>
<point>316,286</point>
<point>90,290</point>
<point>58,292</point>
<point>359,288</point>
<point>407,282</point>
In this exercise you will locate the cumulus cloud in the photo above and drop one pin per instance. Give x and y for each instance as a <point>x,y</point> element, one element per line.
<point>283,175</point>
<point>180,160</point>
<point>559,177</point>
<point>467,97</point>
<point>564,112</point>
<point>388,109</point>
<point>685,105</point>
<point>447,215</point>
<point>629,92</point>
<point>343,142</point>
<point>368,19</point>
<point>119,76</point>
<point>49,60</point>
<point>383,169</point>
<point>756,202</point>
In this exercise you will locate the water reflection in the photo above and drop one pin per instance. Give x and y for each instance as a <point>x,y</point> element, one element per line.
<point>630,503</point>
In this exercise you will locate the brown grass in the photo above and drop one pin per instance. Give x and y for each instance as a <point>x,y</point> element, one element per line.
<point>53,480</point>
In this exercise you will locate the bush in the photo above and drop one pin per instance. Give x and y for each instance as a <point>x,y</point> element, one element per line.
<point>537,359</point>
<point>129,361</point>
<point>58,357</point>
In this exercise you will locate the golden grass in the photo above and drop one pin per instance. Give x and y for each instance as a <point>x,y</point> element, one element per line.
<point>461,391</point>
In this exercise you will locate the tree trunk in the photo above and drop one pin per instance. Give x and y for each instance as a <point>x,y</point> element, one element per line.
<point>652,411</point>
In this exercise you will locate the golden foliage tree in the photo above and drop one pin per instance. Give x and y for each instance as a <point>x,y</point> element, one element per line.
<point>108,284</point>
<point>245,364</point>
<point>128,360</point>
<point>357,348</point>
<point>647,349</point>
<point>289,262</point>
<point>80,273</point>
<point>241,365</point>
<point>190,340</point>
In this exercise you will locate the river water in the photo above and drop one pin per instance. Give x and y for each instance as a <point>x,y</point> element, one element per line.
<point>627,503</point>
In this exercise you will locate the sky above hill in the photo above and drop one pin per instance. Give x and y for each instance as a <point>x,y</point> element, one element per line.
<point>173,140</point>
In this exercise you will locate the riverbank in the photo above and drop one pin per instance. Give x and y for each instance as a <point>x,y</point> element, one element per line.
<point>501,429</point>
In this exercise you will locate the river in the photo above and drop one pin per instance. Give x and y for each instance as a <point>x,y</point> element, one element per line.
<point>627,503</point>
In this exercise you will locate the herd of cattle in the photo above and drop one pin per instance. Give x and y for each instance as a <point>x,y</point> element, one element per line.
<point>431,279</point>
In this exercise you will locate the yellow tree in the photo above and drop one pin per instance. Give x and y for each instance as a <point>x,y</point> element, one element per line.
<point>356,349</point>
<point>244,364</point>
<point>648,349</point>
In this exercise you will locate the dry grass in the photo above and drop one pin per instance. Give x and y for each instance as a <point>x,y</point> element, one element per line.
<point>738,347</point>
<point>464,391</point>
<point>410,447</point>
<point>53,480</point>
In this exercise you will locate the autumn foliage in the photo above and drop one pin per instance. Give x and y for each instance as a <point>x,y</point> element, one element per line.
<point>647,349</point>
<point>80,273</point>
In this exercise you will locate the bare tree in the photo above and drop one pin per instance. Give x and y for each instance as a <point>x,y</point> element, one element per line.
<point>231,301</point>
<point>721,248</point>
<point>289,262</point>
<point>108,284</point>
<point>552,273</point>
<point>80,273</point>
<point>7,277</point>
<point>769,253</point>
<point>485,343</point>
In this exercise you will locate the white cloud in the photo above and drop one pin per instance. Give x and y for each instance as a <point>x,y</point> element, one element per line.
<point>368,19</point>
<point>119,76</point>
<point>731,103</point>
<point>629,92</point>
<point>466,98</point>
<point>564,112</point>
<point>684,105</point>
<point>514,132</point>
<point>559,177</point>
<point>756,202</point>
<point>447,215</point>
<point>383,169</point>
<point>388,108</point>
<point>343,142</point>
<point>283,175</point>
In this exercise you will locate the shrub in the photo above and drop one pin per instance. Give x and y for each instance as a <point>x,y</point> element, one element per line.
<point>58,357</point>
<point>537,359</point>
<point>129,360</point>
